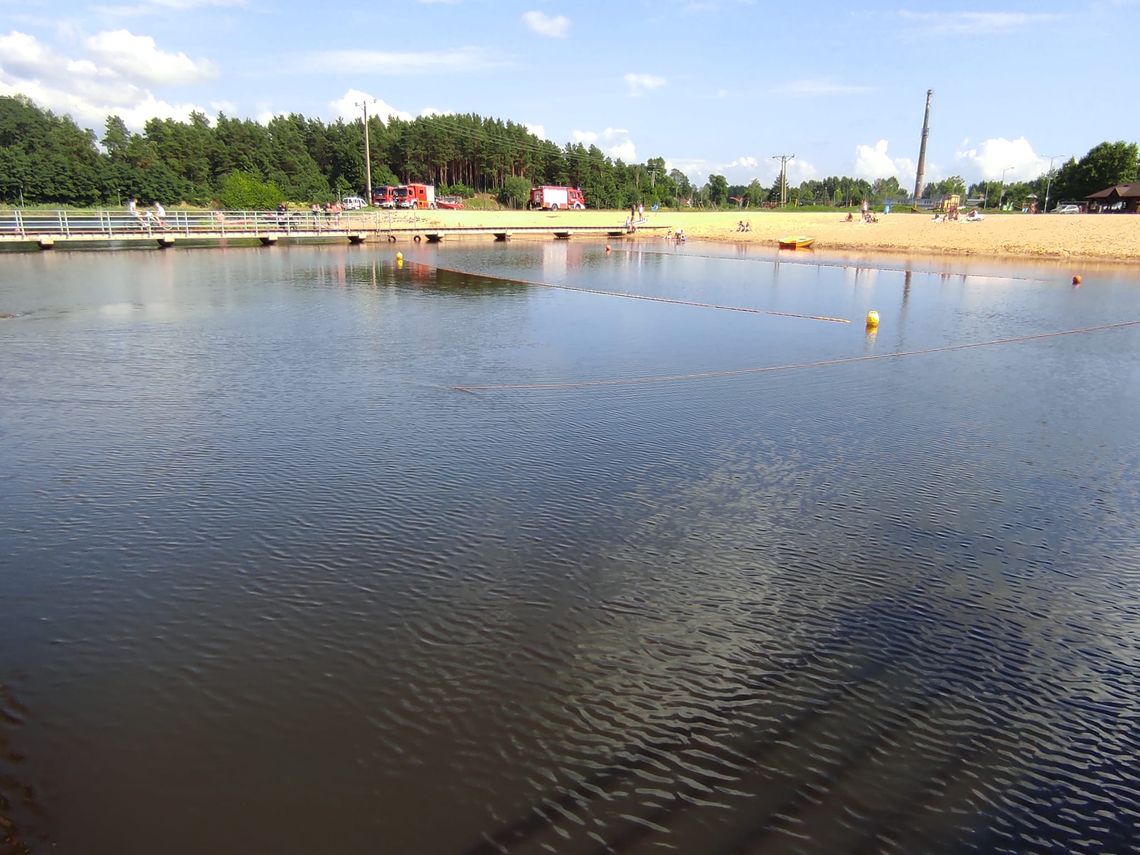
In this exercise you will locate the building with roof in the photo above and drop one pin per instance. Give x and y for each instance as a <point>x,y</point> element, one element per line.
<point>1120,198</point>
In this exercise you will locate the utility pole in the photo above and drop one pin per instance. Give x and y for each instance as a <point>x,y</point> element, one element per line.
<point>783,158</point>
<point>921,173</point>
<point>367,152</point>
<point>1049,181</point>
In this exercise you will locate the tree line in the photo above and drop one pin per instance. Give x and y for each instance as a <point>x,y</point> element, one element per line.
<point>238,163</point>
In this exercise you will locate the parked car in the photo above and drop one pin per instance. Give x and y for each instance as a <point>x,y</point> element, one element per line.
<point>352,203</point>
<point>1068,209</point>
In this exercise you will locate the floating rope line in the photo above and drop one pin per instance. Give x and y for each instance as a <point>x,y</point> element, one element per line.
<point>629,296</point>
<point>788,366</point>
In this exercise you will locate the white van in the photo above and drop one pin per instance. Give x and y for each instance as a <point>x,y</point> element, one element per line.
<point>352,203</point>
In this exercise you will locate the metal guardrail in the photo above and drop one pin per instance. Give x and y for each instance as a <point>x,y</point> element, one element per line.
<point>25,224</point>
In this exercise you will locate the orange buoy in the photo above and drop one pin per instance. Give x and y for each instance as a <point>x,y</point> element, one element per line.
<point>1077,279</point>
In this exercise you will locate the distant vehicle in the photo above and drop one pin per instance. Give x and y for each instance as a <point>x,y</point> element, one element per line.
<point>384,197</point>
<point>1067,209</point>
<point>415,196</point>
<point>556,198</point>
<point>352,203</point>
<point>449,202</point>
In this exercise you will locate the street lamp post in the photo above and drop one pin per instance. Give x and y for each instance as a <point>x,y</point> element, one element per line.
<point>367,152</point>
<point>1001,190</point>
<point>1049,181</point>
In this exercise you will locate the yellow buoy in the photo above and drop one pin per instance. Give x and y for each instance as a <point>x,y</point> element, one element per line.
<point>872,318</point>
<point>399,256</point>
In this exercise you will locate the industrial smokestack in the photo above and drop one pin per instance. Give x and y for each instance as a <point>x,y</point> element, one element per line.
<point>922,149</point>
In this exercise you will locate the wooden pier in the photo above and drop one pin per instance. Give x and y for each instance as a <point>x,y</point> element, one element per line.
<point>51,229</point>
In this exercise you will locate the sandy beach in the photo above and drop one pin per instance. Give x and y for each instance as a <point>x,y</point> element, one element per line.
<point>1057,237</point>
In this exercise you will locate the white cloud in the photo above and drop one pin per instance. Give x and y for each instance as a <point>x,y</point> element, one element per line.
<point>90,89</point>
<point>134,106</point>
<point>554,26</point>
<point>346,107</point>
<point>456,60</point>
<point>150,7</point>
<point>874,161</point>
<point>84,67</point>
<point>818,86</point>
<point>138,58</point>
<point>639,84</point>
<point>991,157</point>
<point>798,170</point>
<point>538,130</point>
<point>975,23</point>
<point>615,142</point>
<point>24,54</point>
<point>694,168</point>
<point>744,170</point>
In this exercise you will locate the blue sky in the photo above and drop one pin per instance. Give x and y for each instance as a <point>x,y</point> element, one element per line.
<point>712,86</point>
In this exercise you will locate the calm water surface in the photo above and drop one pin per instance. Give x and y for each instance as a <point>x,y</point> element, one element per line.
<point>269,583</point>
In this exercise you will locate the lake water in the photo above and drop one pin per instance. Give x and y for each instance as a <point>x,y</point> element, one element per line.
<point>269,582</point>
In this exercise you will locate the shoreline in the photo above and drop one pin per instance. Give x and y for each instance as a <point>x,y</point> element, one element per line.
<point>1110,239</point>
<point>1054,240</point>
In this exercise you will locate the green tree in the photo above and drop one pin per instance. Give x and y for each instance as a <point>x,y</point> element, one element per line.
<point>242,191</point>
<point>515,191</point>
<point>755,193</point>
<point>1103,166</point>
<point>116,137</point>
<point>718,189</point>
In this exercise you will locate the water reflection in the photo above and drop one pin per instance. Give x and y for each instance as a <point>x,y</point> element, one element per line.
<point>256,550</point>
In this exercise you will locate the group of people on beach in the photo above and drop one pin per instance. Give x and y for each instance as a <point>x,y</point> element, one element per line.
<point>636,217</point>
<point>149,218</point>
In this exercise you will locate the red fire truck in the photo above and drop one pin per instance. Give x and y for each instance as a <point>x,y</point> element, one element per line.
<point>415,196</point>
<point>557,198</point>
<point>384,197</point>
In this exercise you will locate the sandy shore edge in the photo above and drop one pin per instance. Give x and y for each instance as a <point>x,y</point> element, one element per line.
<point>1099,238</point>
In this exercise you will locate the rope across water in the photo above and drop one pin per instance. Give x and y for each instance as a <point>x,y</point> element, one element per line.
<point>736,372</point>
<point>652,299</point>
